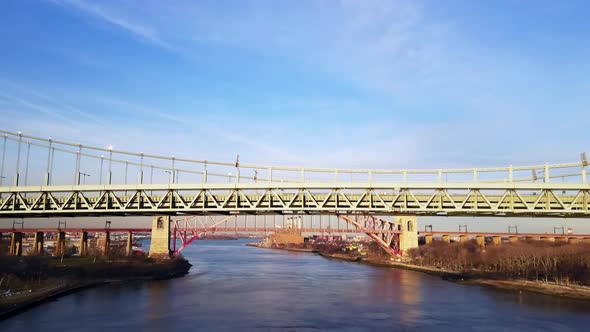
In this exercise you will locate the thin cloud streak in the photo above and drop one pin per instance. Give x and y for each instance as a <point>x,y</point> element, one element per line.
<point>143,32</point>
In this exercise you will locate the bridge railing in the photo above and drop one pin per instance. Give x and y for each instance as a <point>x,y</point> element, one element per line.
<point>31,160</point>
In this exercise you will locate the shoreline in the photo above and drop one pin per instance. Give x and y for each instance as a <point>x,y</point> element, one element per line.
<point>37,298</point>
<point>12,306</point>
<point>520,285</point>
<point>539,287</point>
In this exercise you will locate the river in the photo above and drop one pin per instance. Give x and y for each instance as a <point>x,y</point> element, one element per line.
<point>232,287</point>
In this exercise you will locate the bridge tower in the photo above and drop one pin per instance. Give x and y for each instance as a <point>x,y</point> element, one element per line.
<point>160,242</point>
<point>408,235</point>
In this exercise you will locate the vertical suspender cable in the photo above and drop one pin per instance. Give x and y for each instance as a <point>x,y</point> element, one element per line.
<point>101,163</point>
<point>77,172</point>
<point>20,139</point>
<point>3,157</point>
<point>27,163</point>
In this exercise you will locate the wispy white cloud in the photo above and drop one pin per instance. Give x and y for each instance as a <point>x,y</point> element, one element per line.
<point>144,32</point>
<point>15,94</point>
<point>396,50</point>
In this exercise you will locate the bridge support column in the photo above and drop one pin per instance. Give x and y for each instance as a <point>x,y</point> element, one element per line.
<point>462,238</point>
<point>160,242</point>
<point>513,239</point>
<point>480,240</point>
<point>129,247</point>
<point>38,244</point>
<point>497,240</point>
<point>428,239</point>
<point>561,239</point>
<point>408,236</point>
<point>60,244</point>
<point>83,250</point>
<point>446,238</point>
<point>549,238</point>
<point>533,238</point>
<point>16,244</point>
<point>573,240</point>
<point>106,245</point>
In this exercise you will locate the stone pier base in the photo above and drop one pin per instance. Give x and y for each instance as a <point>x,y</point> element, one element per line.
<point>160,243</point>
<point>481,240</point>
<point>38,243</point>
<point>129,247</point>
<point>16,244</point>
<point>60,244</point>
<point>84,244</point>
<point>497,240</point>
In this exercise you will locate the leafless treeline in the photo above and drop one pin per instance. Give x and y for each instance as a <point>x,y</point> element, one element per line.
<point>532,260</point>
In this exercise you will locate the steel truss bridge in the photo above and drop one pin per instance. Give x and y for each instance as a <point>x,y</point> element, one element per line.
<point>55,185</point>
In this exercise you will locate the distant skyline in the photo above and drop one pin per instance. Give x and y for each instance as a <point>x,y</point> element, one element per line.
<point>348,84</point>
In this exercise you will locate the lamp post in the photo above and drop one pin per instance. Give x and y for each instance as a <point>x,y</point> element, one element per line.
<point>84,175</point>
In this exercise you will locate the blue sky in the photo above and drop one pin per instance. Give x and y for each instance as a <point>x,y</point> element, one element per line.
<point>371,84</point>
<point>368,84</point>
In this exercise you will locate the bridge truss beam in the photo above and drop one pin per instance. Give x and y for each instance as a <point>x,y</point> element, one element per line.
<point>465,199</point>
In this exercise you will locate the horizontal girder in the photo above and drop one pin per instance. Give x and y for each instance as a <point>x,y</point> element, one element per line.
<point>469,199</point>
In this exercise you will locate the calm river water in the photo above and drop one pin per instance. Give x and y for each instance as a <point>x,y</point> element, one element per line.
<point>237,288</point>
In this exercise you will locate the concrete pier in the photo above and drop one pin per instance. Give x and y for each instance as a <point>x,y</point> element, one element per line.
<point>513,239</point>
<point>106,245</point>
<point>446,238</point>
<point>38,243</point>
<point>60,244</point>
<point>16,244</point>
<point>428,239</point>
<point>561,239</point>
<point>408,236</point>
<point>160,243</point>
<point>463,238</point>
<point>129,247</point>
<point>497,240</point>
<point>83,244</point>
<point>481,240</point>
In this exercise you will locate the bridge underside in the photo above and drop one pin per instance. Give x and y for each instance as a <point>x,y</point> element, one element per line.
<point>541,200</point>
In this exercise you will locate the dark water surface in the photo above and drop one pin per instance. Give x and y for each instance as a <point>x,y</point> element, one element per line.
<point>237,288</point>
